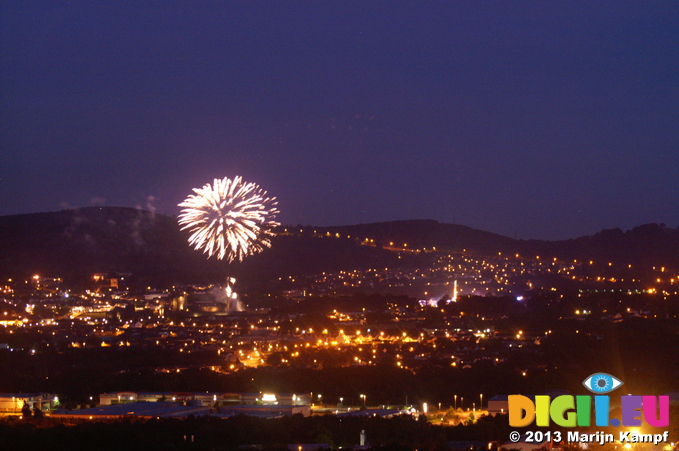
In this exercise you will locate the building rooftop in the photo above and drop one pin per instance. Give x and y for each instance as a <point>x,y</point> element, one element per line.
<point>143,409</point>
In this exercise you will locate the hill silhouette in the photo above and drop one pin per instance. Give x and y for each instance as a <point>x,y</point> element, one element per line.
<point>74,244</point>
<point>77,243</point>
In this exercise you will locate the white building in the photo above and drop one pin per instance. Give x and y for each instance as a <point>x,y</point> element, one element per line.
<point>12,403</point>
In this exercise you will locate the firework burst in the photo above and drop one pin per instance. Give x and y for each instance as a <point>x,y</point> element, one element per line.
<point>229,219</point>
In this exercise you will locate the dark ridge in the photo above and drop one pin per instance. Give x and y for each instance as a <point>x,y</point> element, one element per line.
<point>428,233</point>
<point>74,244</point>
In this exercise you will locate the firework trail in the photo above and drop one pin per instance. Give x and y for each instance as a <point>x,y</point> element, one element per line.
<point>229,219</point>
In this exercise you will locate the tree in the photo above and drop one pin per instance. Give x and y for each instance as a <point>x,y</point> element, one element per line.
<point>470,419</point>
<point>26,410</point>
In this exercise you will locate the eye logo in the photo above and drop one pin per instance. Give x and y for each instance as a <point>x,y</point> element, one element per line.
<point>601,383</point>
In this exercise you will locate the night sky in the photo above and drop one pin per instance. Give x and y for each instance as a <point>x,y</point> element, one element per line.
<point>533,119</point>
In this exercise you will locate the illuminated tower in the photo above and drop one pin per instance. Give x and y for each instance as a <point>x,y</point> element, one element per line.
<point>232,302</point>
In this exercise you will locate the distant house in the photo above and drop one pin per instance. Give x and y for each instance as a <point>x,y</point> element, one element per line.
<point>290,403</point>
<point>498,405</point>
<point>12,403</point>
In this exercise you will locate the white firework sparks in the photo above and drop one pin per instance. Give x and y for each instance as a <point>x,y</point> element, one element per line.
<point>229,219</point>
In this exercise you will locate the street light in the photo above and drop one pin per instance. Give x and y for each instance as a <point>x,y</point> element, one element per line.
<point>455,401</point>
<point>481,404</point>
<point>363,396</point>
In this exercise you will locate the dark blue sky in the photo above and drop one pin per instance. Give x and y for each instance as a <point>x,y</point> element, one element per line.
<point>535,119</point>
